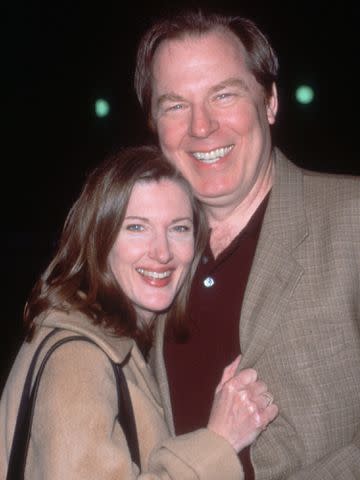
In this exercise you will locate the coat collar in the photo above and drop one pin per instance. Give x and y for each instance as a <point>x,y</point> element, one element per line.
<point>158,366</point>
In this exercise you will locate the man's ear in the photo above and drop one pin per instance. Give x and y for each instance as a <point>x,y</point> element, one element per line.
<point>272,105</point>
<point>151,124</point>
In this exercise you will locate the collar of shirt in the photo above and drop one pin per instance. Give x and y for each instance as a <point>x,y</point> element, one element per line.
<point>252,231</point>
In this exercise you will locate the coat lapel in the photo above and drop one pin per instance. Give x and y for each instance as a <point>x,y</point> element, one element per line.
<point>275,271</point>
<point>156,362</point>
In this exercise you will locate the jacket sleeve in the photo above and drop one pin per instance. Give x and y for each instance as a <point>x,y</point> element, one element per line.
<point>343,464</point>
<point>75,432</point>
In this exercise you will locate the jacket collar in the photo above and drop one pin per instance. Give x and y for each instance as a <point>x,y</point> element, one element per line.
<point>285,215</point>
<point>276,269</point>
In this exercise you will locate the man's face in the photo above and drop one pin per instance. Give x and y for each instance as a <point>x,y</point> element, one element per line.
<point>212,116</point>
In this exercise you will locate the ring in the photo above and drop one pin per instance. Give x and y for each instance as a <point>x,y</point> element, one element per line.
<point>269,398</point>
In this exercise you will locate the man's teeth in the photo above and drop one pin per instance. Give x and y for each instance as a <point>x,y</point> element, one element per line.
<point>158,275</point>
<point>213,155</point>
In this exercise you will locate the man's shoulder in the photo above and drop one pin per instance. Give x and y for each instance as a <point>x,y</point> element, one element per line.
<point>318,182</point>
<point>337,180</point>
<point>323,200</point>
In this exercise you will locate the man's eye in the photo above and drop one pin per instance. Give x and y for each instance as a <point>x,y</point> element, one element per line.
<point>174,108</point>
<point>135,227</point>
<point>224,96</point>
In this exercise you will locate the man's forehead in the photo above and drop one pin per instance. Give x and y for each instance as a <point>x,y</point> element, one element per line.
<point>192,39</point>
<point>219,52</point>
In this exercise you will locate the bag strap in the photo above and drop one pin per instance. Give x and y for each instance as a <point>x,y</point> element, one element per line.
<point>20,443</point>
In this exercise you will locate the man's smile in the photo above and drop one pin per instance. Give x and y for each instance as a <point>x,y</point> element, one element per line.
<point>213,155</point>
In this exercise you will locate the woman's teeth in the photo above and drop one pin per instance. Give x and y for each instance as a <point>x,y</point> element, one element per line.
<point>157,275</point>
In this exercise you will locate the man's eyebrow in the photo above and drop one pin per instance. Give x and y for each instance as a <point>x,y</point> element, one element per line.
<point>230,82</point>
<point>169,97</point>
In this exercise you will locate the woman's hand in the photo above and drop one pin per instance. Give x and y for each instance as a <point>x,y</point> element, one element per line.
<point>242,407</point>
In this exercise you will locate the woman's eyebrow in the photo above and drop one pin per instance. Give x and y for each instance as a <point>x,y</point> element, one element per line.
<point>136,217</point>
<point>182,219</point>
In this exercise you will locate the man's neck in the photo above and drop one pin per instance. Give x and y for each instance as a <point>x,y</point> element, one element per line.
<point>227,222</point>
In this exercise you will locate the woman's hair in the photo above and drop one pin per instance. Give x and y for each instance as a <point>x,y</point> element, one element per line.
<point>261,58</point>
<point>79,276</point>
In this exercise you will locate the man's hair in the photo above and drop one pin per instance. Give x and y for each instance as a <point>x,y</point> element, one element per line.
<point>261,58</point>
<point>79,276</point>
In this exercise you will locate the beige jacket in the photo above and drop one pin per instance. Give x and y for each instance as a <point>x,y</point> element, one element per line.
<point>75,434</point>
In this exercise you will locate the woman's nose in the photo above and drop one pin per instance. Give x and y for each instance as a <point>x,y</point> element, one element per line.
<point>160,249</point>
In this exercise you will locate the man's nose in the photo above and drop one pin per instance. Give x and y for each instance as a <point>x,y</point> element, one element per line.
<point>160,249</point>
<point>203,122</point>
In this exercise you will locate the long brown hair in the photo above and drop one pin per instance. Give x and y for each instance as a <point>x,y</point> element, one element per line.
<point>79,276</point>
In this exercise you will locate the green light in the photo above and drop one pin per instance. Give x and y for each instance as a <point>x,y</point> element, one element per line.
<point>304,94</point>
<point>102,108</point>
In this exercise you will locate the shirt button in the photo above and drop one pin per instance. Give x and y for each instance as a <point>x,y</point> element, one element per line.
<point>205,260</point>
<point>209,282</point>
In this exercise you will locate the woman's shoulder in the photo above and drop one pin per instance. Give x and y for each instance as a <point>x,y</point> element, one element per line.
<point>80,327</point>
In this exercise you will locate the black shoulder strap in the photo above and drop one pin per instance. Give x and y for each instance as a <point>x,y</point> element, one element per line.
<point>17,460</point>
<point>126,416</point>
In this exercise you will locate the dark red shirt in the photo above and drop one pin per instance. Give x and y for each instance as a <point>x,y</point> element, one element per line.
<point>195,367</point>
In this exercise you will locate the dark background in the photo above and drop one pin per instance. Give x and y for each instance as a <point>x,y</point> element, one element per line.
<point>59,57</point>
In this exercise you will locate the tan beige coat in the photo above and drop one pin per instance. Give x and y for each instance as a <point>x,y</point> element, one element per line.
<point>75,434</point>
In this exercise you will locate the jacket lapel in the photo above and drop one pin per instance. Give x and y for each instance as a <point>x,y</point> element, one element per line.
<point>275,271</point>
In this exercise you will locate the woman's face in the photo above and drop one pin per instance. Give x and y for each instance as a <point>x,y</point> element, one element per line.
<point>155,245</point>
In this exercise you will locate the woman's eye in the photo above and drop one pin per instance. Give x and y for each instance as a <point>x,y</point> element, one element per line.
<point>181,228</point>
<point>135,227</point>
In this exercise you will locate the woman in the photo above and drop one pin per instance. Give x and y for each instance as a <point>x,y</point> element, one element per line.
<point>126,257</point>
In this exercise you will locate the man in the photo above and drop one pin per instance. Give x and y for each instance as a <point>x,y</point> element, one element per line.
<point>279,281</point>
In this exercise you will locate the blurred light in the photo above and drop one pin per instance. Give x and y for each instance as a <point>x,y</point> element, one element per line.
<point>304,94</point>
<point>102,107</point>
